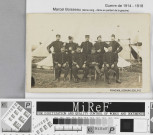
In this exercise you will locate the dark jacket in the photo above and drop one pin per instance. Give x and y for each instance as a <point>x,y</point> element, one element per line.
<point>61,58</point>
<point>116,47</point>
<point>71,45</point>
<point>86,46</point>
<point>79,59</point>
<point>110,58</point>
<point>93,58</point>
<point>101,46</point>
<point>57,45</point>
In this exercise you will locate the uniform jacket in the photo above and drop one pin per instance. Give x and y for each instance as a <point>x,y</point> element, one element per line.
<point>72,45</point>
<point>93,58</point>
<point>57,45</point>
<point>61,58</point>
<point>116,47</point>
<point>86,46</point>
<point>100,45</point>
<point>110,58</point>
<point>79,59</point>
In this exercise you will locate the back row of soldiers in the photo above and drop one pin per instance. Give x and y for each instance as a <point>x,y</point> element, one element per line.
<point>70,55</point>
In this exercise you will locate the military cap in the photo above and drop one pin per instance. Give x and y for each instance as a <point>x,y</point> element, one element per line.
<point>113,35</point>
<point>70,37</point>
<point>87,36</point>
<point>58,35</point>
<point>99,36</point>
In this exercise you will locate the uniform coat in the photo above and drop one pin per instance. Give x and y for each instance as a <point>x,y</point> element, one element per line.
<point>101,46</point>
<point>61,58</point>
<point>86,47</point>
<point>79,59</point>
<point>110,58</point>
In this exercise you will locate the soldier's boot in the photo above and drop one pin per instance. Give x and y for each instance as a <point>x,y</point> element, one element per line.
<point>76,80</point>
<point>109,82</point>
<point>117,78</point>
<point>64,79</point>
<point>84,79</point>
<point>118,81</point>
<point>56,79</point>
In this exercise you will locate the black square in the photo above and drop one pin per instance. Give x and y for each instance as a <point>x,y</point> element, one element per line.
<point>55,121</point>
<point>126,125</point>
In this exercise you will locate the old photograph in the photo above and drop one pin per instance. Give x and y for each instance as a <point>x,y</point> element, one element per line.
<point>88,53</point>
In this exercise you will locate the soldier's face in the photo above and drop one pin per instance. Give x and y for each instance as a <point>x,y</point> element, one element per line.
<point>87,38</point>
<point>109,49</point>
<point>62,49</point>
<point>99,39</point>
<point>58,38</point>
<point>70,40</point>
<point>112,38</point>
<point>93,51</point>
<point>78,50</point>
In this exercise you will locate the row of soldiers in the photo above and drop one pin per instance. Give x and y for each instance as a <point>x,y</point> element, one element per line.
<point>72,57</point>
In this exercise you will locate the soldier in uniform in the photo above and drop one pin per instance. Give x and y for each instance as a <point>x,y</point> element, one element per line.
<point>86,46</point>
<point>93,61</point>
<point>71,49</point>
<point>116,47</point>
<point>110,63</point>
<point>57,45</point>
<point>99,46</point>
<point>79,62</point>
<point>61,63</point>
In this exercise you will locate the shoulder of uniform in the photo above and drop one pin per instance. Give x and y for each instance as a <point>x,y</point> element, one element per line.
<point>53,42</point>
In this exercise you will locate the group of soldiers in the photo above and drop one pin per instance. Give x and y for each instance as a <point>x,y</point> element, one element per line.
<point>71,57</point>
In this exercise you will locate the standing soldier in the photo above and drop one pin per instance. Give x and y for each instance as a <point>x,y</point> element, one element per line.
<point>110,63</point>
<point>116,47</point>
<point>61,63</point>
<point>79,62</point>
<point>57,45</point>
<point>99,46</point>
<point>71,49</point>
<point>86,46</point>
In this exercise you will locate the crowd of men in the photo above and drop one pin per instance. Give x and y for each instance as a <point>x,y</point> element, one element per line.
<point>71,57</point>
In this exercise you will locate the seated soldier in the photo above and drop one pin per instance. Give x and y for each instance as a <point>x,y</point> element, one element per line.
<point>93,61</point>
<point>110,63</point>
<point>61,63</point>
<point>79,63</point>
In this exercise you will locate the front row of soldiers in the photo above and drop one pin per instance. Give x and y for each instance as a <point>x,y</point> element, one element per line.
<point>72,57</point>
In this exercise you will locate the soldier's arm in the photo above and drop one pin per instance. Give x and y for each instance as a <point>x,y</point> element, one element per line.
<point>116,59</point>
<point>76,45</point>
<point>92,45</point>
<point>49,46</point>
<point>82,44</point>
<point>104,59</point>
<point>67,58</point>
<point>119,48</point>
<point>66,48</point>
<point>56,59</point>
<point>73,59</point>
<point>106,45</point>
<point>84,59</point>
<point>88,60</point>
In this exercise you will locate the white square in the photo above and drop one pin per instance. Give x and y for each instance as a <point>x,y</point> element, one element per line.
<point>140,125</point>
